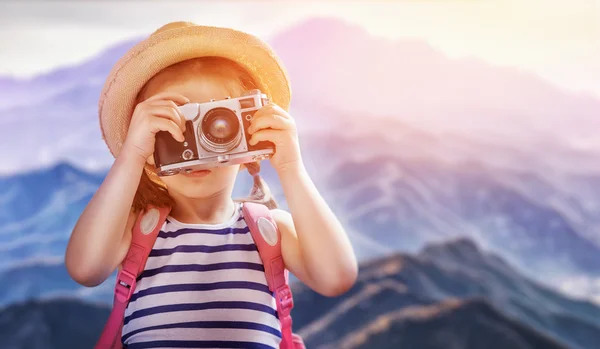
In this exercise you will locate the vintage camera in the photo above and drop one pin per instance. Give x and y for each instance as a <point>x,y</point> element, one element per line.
<point>215,135</point>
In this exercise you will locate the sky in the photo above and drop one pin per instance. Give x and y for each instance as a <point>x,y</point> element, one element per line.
<point>557,39</point>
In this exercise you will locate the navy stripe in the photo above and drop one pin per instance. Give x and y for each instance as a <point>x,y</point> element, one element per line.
<point>201,287</point>
<point>199,306</point>
<point>202,248</point>
<point>201,267</point>
<point>209,324</point>
<point>198,344</point>
<point>223,231</point>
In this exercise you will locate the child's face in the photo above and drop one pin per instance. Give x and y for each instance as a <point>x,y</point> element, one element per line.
<point>220,179</point>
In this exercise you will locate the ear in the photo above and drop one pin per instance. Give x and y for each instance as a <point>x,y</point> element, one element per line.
<point>150,160</point>
<point>241,167</point>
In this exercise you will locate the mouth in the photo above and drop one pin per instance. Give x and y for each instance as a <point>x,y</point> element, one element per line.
<point>197,173</point>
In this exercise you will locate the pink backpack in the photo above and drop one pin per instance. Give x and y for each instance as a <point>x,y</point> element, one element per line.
<point>267,239</point>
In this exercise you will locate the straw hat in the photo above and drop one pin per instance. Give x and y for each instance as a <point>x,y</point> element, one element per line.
<point>173,43</point>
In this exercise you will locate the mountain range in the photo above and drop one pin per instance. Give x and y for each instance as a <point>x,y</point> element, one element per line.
<point>341,65</point>
<point>332,64</point>
<point>450,291</point>
<point>452,295</point>
<point>387,203</point>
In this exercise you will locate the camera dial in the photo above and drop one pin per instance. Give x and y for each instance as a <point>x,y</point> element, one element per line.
<point>187,154</point>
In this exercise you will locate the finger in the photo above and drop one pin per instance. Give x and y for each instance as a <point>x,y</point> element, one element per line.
<point>261,113</point>
<point>171,104</point>
<point>274,136</point>
<point>172,96</point>
<point>160,124</point>
<point>276,122</point>
<point>279,110</point>
<point>273,109</point>
<point>170,113</point>
<point>165,103</point>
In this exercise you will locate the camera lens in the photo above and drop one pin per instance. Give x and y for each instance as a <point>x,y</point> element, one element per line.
<point>220,130</point>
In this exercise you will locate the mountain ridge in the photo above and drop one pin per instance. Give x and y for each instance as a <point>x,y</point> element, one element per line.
<point>392,283</point>
<point>409,300</point>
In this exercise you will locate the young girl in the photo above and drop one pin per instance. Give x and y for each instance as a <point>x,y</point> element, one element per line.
<point>204,268</point>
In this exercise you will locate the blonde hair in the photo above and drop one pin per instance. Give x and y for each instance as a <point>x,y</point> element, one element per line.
<point>235,78</point>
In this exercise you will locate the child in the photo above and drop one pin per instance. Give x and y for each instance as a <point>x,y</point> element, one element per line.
<point>205,240</point>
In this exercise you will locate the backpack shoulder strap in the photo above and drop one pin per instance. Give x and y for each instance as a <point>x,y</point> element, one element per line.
<point>267,238</point>
<point>144,233</point>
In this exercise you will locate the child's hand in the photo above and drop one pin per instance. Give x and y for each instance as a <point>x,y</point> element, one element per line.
<point>157,113</point>
<point>272,123</point>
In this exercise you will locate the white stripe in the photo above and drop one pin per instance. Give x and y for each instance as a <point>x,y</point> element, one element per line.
<point>246,315</point>
<point>246,295</point>
<point>171,226</point>
<point>193,277</point>
<point>231,222</point>
<point>188,297</point>
<point>199,238</point>
<point>200,258</point>
<point>213,334</point>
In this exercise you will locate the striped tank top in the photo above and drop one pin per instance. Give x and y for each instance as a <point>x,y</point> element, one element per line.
<point>203,286</point>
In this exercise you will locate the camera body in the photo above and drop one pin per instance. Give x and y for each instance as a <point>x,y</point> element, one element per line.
<point>216,135</point>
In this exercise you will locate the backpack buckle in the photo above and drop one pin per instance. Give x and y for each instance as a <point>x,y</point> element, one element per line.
<point>285,303</point>
<point>125,286</point>
<point>285,300</point>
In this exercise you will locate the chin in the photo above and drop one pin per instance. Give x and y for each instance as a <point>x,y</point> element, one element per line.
<point>193,190</point>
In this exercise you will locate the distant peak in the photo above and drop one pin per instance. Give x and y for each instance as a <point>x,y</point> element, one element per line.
<point>321,29</point>
<point>345,34</point>
<point>461,243</point>
<point>59,170</point>
<point>64,166</point>
<point>460,249</point>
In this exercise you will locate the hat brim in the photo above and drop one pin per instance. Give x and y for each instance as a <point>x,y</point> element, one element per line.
<point>160,50</point>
